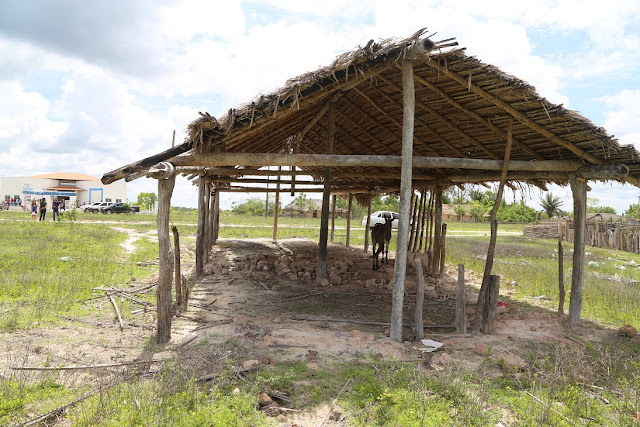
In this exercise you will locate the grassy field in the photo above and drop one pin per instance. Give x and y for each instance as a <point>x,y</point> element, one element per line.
<point>49,268</point>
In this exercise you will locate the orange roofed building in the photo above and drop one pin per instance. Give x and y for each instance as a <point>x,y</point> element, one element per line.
<point>75,189</point>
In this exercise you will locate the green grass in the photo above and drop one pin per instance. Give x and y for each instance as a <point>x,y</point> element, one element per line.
<point>610,293</point>
<point>47,268</point>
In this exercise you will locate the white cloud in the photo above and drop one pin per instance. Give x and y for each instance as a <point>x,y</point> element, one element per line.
<point>624,116</point>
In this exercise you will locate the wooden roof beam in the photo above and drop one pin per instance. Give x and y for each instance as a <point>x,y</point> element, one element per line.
<point>447,123</point>
<point>476,117</point>
<point>515,113</point>
<point>319,160</point>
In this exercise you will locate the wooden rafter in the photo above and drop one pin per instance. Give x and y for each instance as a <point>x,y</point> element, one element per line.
<point>515,113</point>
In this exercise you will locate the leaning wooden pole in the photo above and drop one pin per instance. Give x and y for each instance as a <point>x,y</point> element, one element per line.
<point>486,278</point>
<point>349,206</point>
<point>400,269</point>
<point>165,259</point>
<point>366,227</point>
<point>579,190</point>
<point>276,208</point>
<point>200,233</point>
<point>321,268</point>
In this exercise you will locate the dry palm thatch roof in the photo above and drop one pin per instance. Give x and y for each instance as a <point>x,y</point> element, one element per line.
<point>463,108</point>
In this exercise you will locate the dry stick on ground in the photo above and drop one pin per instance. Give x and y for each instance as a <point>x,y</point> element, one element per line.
<point>55,413</point>
<point>548,405</point>
<point>72,368</point>
<point>301,296</point>
<point>344,387</point>
<point>115,306</point>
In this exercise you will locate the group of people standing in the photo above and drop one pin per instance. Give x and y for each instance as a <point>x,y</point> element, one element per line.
<point>56,206</point>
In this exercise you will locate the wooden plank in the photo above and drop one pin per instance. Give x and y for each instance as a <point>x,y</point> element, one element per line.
<point>400,268</point>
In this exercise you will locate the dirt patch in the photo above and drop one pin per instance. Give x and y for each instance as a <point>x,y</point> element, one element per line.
<point>259,303</point>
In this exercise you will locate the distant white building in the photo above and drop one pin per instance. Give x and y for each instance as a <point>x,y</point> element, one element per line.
<point>75,188</point>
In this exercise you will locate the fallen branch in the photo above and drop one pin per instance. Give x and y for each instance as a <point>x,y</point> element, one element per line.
<point>221,322</point>
<point>54,413</point>
<point>357,322</point>
<point>72,368</point>
<point>302,296</point>
<point>115,306</point>
<point>344,387</point>
<point>550,408</point>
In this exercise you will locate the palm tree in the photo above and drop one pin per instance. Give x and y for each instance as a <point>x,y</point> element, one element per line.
<point>551,204</point>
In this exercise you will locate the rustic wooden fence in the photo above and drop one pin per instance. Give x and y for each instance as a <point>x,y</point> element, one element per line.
<point>622,236</point>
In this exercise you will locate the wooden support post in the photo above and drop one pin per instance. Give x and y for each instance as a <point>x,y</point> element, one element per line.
<point>276,208</point>
<point>165,259</point>
<point>443,250</point>
<point>491,305</point>
<point>207,215</point>
<point>350,205</point>
<point>210,220</point>
<point>423,218</point>
<point>579,190</point>
<point>461,313</point>
<point>176,265</point>
<point>321,268</point>
<point>412,224</point>
<point>417,223</point>
<point>400,268</point>
<point>333,215</point>
<point>417,263</point>
<point>486,278</point>
<point>293,180</point>
<point>366,227</point>
<point>437,221</point>
<point>216,215</point>
<point>561,290</point>
<point>200,233</point>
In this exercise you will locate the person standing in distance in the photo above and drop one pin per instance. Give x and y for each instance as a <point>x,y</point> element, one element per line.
<point>55,205</point>
<point>43,208</point>
<point>34,210</point>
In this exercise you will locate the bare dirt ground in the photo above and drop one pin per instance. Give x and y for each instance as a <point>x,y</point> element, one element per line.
<point>258,303</point>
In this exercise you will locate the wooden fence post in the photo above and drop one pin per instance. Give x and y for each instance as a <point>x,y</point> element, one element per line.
<point>419,298</point>
<point>176,265</point>
<point>461,314</point>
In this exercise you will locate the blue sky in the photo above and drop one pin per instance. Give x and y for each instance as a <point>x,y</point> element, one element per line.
<point>90,86</point>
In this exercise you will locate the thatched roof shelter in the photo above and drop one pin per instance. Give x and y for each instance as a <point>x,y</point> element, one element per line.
<point>391,116</point>
<point>462,109</point>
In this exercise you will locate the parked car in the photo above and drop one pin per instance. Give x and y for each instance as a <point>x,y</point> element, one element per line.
<point>111,208</point>
<point>380,217</point>
<point>93,207</point>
